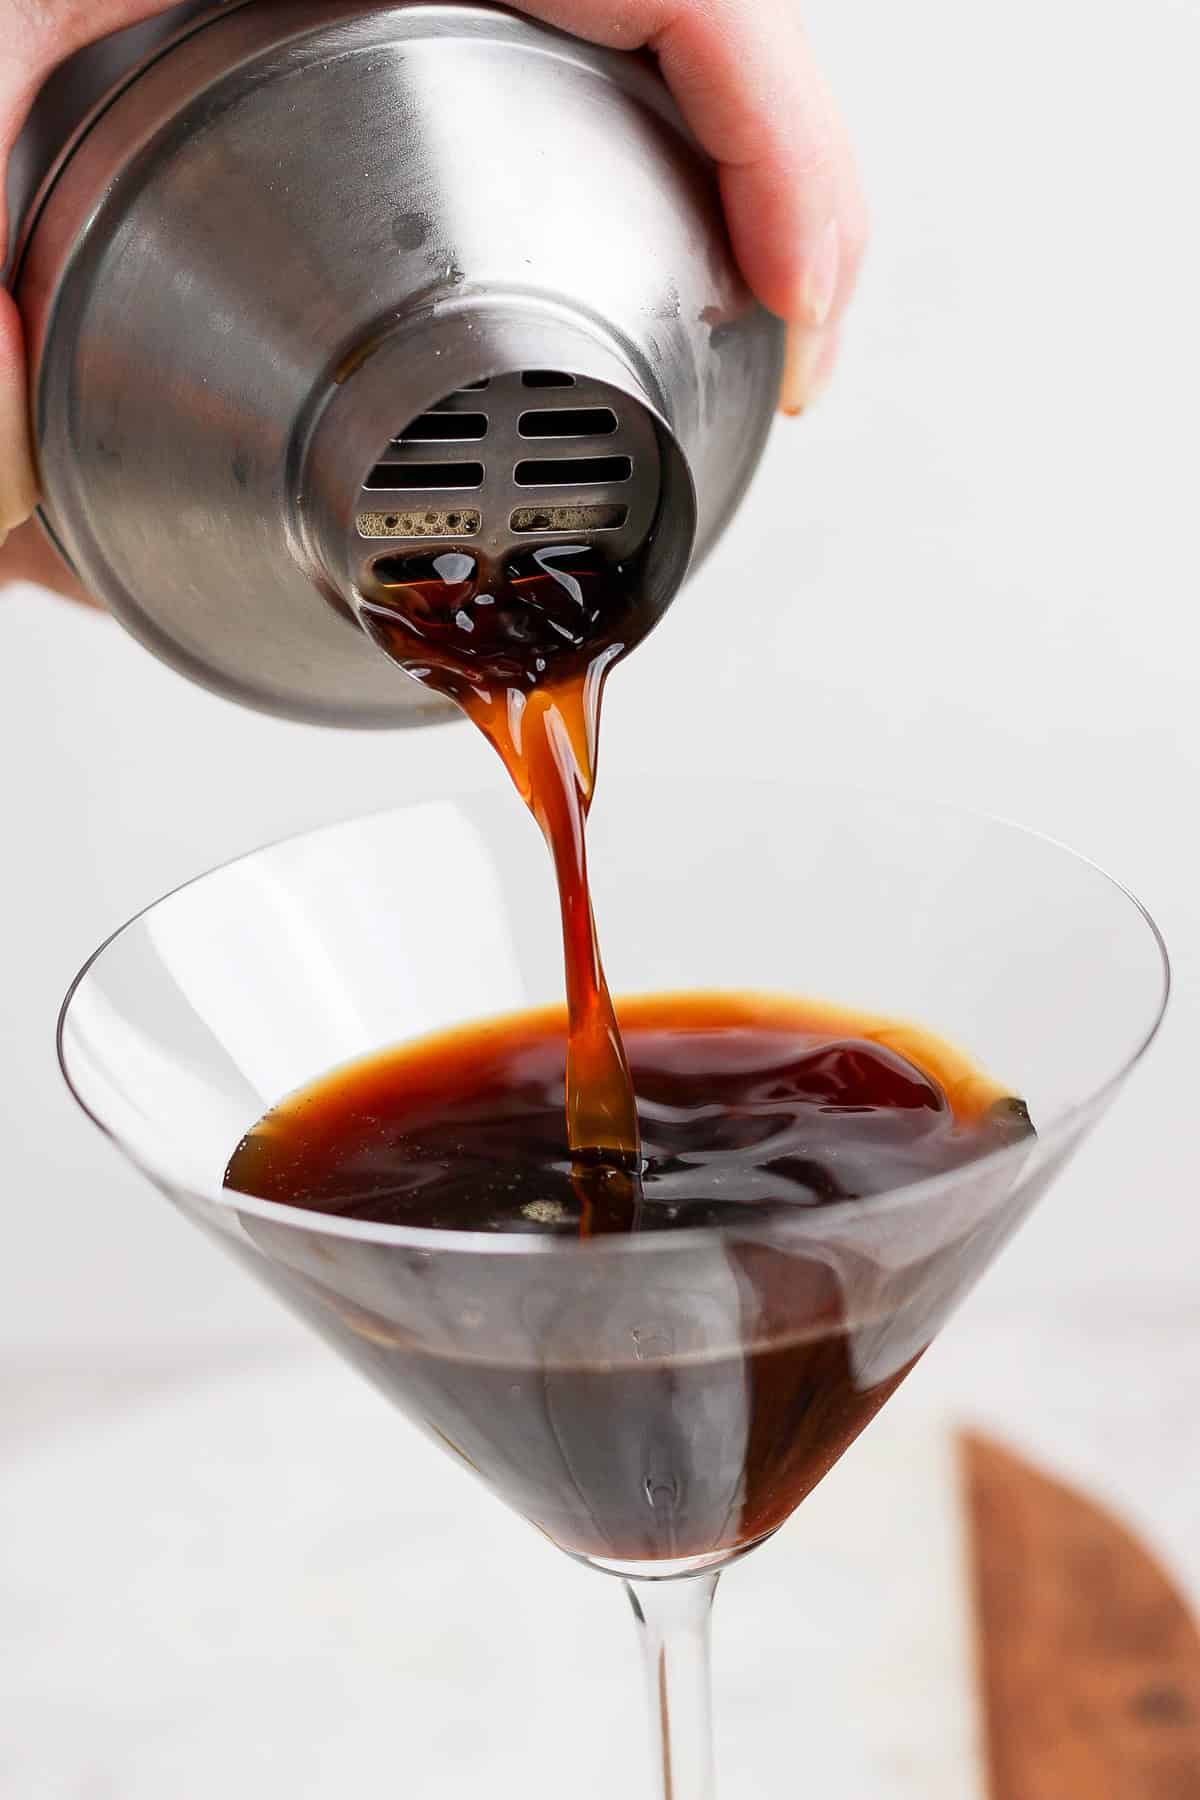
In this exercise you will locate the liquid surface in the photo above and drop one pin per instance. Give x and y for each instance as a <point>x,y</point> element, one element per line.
<point>747,1106</point>
<point>634,1408</point>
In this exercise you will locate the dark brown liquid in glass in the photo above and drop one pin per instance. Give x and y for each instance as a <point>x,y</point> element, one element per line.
<point>691,1423</point>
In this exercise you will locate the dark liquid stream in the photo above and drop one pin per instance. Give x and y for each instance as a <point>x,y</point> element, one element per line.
<point>525,651</point>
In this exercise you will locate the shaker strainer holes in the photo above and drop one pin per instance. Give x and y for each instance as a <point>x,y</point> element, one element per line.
<point>534,520</point>
<point>464,523</point>
<point>574,471</point>
<point>445,428</point>
<point>569,422</point>
<point>427,477</point>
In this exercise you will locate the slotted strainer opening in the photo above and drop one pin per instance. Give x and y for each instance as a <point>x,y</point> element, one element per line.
<point>515,462</point>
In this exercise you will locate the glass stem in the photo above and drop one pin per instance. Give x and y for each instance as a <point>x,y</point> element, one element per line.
<point>675,1626</point>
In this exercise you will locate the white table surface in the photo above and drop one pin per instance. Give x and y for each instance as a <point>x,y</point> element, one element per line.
<point>235,1575</point>
<point>262,1582</point>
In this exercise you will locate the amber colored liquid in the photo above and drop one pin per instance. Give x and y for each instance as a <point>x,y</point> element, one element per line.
<point>633,1415</point>
<point>634,1407</point>
<point>526,651</point>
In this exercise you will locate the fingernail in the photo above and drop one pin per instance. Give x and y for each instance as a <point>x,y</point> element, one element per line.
<point>806,370</point>
<point>18,484</point>
<point>18,501</point>
<point>18,497</point>
<point>820,284</point>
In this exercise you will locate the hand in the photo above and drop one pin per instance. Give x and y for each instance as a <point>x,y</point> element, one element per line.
<point>746,80</point>
<point>743,74</point>
<point>35,35</point>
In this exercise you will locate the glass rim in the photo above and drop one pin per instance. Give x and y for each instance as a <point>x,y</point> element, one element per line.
<point>807,1219</point>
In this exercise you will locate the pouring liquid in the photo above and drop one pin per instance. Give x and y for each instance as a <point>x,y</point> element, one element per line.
<point>525,652</point>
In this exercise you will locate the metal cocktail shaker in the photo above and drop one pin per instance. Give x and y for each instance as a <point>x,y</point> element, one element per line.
<point>307,284</point>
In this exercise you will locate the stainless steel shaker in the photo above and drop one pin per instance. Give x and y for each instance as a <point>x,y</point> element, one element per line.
<point>310,283</point>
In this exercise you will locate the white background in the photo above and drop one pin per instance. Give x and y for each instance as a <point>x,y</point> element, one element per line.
<point>972,571</point>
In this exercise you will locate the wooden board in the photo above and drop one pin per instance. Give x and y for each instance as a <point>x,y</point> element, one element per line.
<point>1089,1660</point>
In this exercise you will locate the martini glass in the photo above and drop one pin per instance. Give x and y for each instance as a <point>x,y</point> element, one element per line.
<point>655,1404</point>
